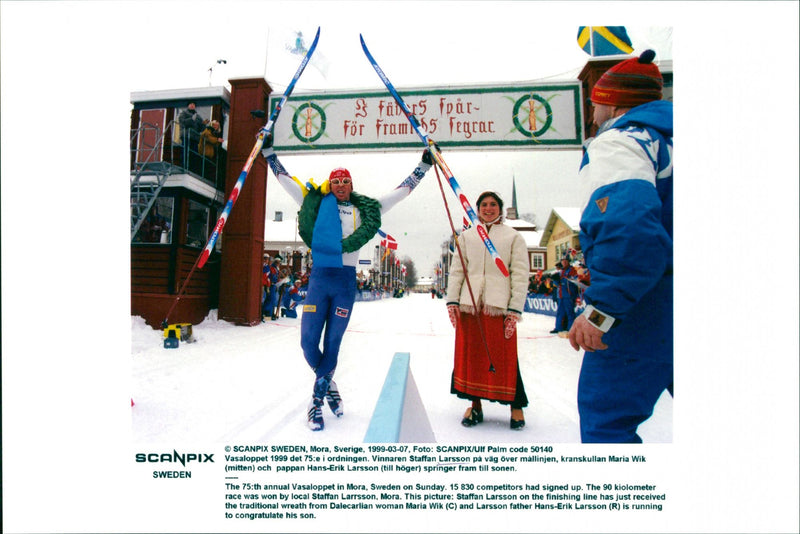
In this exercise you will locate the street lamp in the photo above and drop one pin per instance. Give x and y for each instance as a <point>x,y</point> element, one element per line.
<point>211,69</point>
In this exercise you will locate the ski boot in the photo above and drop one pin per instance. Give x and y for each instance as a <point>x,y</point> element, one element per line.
<point>315,420</point>
<point>334,399</point>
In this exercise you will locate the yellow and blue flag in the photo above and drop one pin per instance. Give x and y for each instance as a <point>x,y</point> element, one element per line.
<point>604,40</point>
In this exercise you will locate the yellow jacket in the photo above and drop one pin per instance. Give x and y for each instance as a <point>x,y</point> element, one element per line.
<point>208,142</point>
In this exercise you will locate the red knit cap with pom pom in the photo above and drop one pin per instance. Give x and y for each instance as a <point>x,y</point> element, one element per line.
<point>631,83</point>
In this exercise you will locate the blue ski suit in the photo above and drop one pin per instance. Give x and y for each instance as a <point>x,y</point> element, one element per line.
<point>567,295</point>
<point>626,238</point>
<point>331,290</point>
<point>274,278</point>
<point>290,299</point>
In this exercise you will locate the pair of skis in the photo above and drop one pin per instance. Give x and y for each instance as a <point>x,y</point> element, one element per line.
<point>438,160</point>
<point>267,129</point>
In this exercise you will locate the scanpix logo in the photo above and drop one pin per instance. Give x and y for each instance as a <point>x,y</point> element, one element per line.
<point>174,457</point>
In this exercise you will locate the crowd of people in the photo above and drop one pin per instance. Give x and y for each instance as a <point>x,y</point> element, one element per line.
<point>566,285</point>
<point>282,290</point>
<point>367,285</point>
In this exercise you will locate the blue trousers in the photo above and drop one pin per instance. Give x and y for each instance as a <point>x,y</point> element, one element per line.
<point>616,394</point>
<point>566,310</point>
<point>327,306</point>
<point>270,301</point>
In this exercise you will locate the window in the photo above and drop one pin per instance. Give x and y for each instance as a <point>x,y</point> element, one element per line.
<point>537,261</point>
<point>197,224</point>
<point>157,224</point>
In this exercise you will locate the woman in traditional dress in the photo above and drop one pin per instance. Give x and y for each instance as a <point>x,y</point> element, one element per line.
<point>484,307</point>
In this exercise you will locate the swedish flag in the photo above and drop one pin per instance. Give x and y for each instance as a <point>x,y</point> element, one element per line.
<point>604,40</point>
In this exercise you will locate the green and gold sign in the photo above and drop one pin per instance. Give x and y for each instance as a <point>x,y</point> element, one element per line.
<point>528,116</point>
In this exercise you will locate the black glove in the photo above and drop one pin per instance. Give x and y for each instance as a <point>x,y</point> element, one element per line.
<point>426,155</point>
<point>268,140</point>
<point>266,147</point>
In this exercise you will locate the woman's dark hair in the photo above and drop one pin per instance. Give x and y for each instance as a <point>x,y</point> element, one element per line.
<point>489,194</point>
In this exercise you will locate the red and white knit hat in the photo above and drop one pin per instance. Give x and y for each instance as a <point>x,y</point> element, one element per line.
<point>631,83</point>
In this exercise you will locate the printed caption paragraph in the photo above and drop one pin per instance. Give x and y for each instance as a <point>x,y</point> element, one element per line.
<point>258,481</point>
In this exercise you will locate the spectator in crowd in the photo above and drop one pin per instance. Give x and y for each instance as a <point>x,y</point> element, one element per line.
<point>152,227</point>
<point>284,281</point>
<point>537,283</point>
<point>191,128</point>
<point>584,276</point>
<point>567,293</point>
<point>626,328</point>
<point>549,286</point>
<point>274,278</point>
<point>290,300</point>
<point>484,307</point>
<point>265,285</point>
<point>210,139</point>
<point>335,222</point>
<point>192,124</point>
<point>542,284</point>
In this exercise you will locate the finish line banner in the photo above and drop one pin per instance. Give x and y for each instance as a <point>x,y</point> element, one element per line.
<point>501,117</point>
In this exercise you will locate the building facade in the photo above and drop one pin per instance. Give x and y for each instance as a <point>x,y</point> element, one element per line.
<point>176,196</point>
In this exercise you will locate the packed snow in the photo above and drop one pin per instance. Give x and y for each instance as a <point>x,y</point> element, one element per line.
<point>252,384</point>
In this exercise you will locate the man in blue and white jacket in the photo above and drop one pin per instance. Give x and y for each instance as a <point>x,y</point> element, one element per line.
<point>626,238</point>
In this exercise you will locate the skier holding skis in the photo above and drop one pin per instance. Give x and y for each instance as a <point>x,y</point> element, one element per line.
<point>485,362</point>
<point>626,328</point>
<point>335,222</point>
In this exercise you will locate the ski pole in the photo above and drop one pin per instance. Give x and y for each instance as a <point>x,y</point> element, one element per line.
<point>428,142</point>
<point>466,274</point>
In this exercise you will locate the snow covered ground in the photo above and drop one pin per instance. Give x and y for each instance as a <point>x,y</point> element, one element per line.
<point>251,384</point>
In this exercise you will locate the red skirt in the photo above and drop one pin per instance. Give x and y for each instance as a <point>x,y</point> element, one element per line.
<point>471,373</point>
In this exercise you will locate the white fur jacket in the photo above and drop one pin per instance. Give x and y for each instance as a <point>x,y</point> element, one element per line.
<point>494,293</point>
